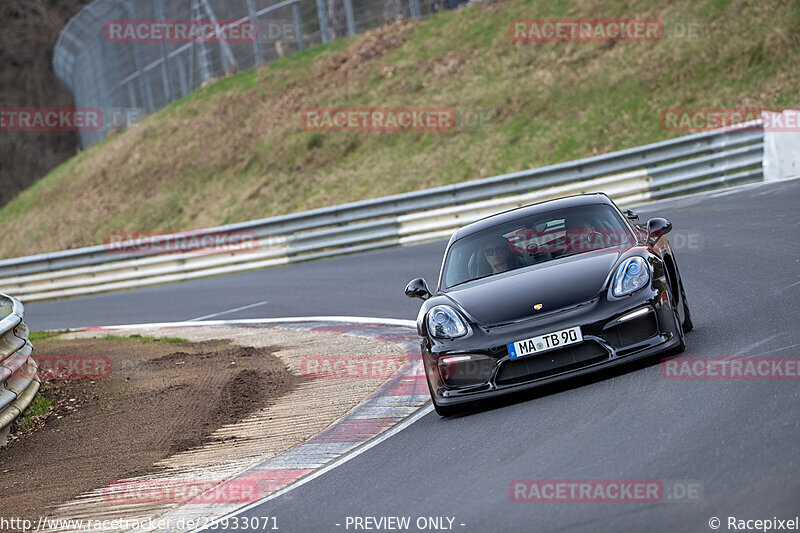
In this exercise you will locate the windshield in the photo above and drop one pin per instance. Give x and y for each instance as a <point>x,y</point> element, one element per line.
<point>534,240</point>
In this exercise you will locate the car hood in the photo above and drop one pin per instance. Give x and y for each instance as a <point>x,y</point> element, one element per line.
<point>560,283</point>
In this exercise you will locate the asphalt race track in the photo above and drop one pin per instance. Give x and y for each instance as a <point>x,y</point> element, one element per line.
<point>738,440</point>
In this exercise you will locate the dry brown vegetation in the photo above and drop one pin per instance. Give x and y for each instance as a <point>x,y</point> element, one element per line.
<point>235,151</point>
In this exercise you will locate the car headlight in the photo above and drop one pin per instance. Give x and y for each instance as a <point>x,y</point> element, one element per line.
<point>444,323</point>
<point>632,275</point>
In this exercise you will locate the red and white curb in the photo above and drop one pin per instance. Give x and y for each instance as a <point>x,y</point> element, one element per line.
<point>399,402</point>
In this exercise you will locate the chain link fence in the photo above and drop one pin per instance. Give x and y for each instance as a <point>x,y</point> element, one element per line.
<point>113,58</point>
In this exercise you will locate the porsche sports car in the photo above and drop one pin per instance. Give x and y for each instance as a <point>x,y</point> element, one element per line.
<point>546,292</point>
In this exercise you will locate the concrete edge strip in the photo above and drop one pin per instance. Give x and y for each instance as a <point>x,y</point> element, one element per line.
<point>344,458</point>
<point>396,404</point>
<point>255,321</point>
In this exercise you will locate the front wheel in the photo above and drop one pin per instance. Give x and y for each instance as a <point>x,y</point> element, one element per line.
<point>680,332</point>
<point>687,322</point>
<point>442,410</point>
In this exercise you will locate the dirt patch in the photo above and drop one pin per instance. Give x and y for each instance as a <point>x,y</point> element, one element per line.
<point>356,59</point>
<point>111,427</point>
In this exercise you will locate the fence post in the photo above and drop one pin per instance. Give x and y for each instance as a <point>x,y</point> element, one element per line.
<point>182,77</point>
<point>348,14</point>
<point>298,26</point>
<point>413,7</point>
<point>132,96</point>
<point>202,56</point>
<point>96,90</point>
<point>228,59</point>
<point>251,8</point>
<point>144,82</point>
<point>110,96</point>
<point>165,59</point>
<point>323,21</point>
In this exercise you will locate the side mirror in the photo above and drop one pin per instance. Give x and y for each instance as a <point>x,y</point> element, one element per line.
<point>630,215</point>
<point>417,288</point>
<point>656,228</point>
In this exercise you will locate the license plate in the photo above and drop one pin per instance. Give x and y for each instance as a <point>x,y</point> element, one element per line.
<point>546,342</point>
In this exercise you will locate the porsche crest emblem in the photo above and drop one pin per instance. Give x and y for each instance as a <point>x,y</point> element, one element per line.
<point>537,307</point>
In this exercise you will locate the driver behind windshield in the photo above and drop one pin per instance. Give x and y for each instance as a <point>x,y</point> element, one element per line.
<point>498,255</point>
<point>582,233</point>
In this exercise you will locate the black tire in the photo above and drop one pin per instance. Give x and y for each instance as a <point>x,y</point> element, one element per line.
<point>687,321</point>
<point>442,410</point>
<point>681,332</point>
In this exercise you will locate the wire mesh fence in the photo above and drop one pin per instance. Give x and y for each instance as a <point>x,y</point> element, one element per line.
<point>129,58</point>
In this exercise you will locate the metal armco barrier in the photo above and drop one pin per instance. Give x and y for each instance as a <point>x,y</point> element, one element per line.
<point>19,381</point>
<point>692,163</point>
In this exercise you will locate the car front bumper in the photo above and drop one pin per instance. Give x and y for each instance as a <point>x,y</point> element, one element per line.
<point>484,368</point>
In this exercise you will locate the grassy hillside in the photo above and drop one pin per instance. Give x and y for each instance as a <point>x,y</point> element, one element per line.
<point>235,150</point>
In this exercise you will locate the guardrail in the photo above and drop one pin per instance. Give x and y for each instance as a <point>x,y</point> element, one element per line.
<point>682,165</point>
<point>19,381</point>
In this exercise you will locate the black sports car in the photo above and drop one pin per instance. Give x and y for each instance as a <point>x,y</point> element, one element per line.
<point>546,292</point>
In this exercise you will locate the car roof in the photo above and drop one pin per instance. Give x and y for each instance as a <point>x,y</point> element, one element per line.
<point>528,210</point>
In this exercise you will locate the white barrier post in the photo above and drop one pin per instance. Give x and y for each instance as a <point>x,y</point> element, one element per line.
<point>781,144</point>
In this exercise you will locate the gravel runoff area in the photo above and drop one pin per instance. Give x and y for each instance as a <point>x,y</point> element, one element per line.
<point>175,412</point>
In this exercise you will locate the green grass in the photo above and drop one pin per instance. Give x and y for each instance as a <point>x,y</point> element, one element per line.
<point>36,336</point>
<point>141,338</point>
<point>234,150</point>
<point>38,407</point>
